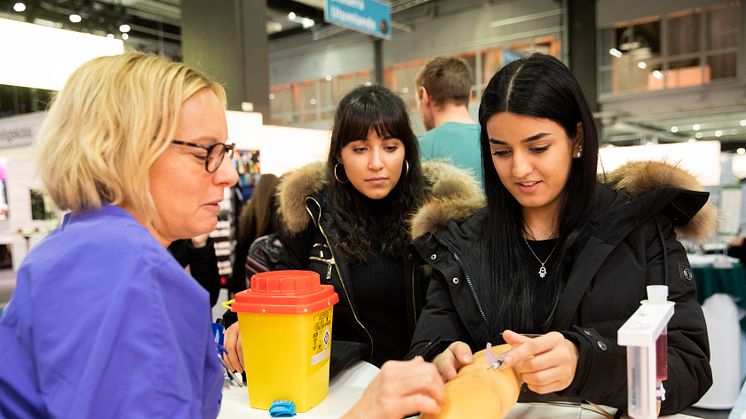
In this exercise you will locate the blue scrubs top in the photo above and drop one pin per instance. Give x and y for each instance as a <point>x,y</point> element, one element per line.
<point>105,323</point>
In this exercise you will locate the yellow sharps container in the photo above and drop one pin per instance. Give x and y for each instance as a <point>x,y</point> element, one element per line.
<point>286,331</point>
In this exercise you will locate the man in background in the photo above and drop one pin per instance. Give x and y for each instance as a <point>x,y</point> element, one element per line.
<point>443,91</point>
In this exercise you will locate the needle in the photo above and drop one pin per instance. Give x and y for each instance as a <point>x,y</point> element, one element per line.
<point>234,377</point>
<point>493,362</point>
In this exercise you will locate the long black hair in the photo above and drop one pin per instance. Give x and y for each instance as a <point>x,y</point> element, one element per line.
<point>378,108</point>
<point>539,86</point>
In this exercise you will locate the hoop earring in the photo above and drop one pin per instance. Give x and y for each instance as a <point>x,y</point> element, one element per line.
<point>406,168</point>
<point>336,176</point>
<point>579,153</point>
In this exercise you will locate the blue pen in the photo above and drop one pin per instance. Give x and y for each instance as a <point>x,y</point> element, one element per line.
<point>217,332</point>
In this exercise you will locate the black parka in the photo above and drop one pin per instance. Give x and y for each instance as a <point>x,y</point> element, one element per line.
<point>625,244</point>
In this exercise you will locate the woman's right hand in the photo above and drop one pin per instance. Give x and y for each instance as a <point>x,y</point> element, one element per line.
<point>401,388</point>
<point>233,355</point>
<point>452,359</point>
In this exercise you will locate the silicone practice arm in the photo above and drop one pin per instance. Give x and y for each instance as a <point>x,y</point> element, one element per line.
<point>480,392</point>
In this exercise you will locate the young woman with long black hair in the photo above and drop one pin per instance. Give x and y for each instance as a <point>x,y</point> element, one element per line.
<point>557,261</point>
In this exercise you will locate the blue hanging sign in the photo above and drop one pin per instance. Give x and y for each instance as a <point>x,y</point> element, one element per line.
<point>367,16</point>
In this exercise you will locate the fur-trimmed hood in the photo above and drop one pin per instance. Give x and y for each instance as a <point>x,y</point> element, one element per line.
<point>452,194</point>
<point>637,178</point>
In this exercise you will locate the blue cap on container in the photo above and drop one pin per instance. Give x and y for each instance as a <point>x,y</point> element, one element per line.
<point>282,409</point>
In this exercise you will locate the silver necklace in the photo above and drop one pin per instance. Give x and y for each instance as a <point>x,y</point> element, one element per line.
<point>543,269</point>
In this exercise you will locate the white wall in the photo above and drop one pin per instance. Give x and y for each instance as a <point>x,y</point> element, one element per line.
<point>701,158</point>
<point>281,148</point>
<point>284,149</point>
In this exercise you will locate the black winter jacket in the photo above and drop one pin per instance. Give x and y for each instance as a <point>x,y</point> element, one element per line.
<point>628,242</point>
<point>308,241</point>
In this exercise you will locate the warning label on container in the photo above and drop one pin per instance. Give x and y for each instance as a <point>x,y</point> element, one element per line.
<point>322,336</point>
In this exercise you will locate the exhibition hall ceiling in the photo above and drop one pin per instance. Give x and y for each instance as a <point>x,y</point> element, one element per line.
<point>726,124</point>
<point>155,26</point>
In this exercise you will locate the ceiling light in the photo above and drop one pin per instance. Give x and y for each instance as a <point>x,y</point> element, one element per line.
<point>742,122</point>
<point>674,129</point>
<point>312,101</point>
<point>271,96</point>
<point>741,151</point>
<point>657,74</point>
<point>695,127</point>
<point>308,23</point>
<point>329,77</point>
<point>291,15</point>
<point>615,52</point>
<point>110,35</point>
<point>692,140</point>
<point>642,65</point>
<point>698,135</point>
<point>19,7</point>
<point>75,18</point>
<point>124,28</point>
<point>367,83</point>
<point>405,90</point>
<point>125,36</point>
<point>718,133</point>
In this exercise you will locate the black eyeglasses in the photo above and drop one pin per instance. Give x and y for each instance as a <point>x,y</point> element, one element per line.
<point>215,153</point>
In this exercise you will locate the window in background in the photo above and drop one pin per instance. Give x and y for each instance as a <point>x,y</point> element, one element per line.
<point>311,101</point>
<point>281,104</point>
<point>723,31</point>
<point>400,78</point>
<point>699,45</point>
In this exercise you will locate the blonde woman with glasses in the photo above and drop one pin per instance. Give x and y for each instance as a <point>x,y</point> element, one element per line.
<point>104,321</point>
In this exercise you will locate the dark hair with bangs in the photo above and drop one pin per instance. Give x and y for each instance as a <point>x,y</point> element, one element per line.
<point>375,108</point>
<point>540,86</point>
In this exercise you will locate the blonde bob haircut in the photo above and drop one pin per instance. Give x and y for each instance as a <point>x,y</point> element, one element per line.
<point>112,120</point>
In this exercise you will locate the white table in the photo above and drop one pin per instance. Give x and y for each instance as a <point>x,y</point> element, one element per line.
<point>346,389</point>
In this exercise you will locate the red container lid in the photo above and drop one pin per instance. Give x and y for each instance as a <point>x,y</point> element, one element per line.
<point>286,292</point>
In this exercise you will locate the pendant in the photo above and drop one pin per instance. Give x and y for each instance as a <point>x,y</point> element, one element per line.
<point>542,271</point>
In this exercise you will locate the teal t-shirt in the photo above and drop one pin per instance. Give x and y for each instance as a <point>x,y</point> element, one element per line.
<point>455,143</point>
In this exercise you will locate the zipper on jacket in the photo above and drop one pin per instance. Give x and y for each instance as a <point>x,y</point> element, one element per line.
<point>341,279</point>
<point>471,287</point>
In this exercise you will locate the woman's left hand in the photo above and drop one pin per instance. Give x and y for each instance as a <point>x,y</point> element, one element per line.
<point>546,363</point>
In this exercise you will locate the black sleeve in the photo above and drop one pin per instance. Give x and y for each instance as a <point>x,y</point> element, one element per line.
<point>294,255</point>
<point>601,369</point>
<point>295,248</point>
<point>178,249</point>
<point>237,281</point>
<point>439,324</point>
<point>203,265</point>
